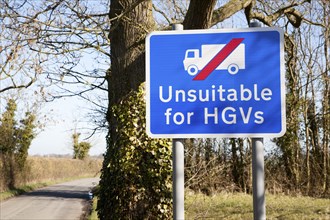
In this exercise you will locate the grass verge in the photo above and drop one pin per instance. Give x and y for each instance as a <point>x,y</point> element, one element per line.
<point>31,187</point>
<point>239,206</point>
<point>20,190</point>
<point>93,215</point>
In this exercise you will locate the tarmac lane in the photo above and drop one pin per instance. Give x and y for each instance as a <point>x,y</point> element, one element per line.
<point>58,202</point>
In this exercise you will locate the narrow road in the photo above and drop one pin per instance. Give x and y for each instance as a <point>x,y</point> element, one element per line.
<point>61,201</point>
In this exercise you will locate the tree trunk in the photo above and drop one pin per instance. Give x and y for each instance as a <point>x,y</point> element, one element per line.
<point>199,14</point>
<point>289,143</point>
<point>129,29</point>
<point>326,100</point>
<point>131,21</point>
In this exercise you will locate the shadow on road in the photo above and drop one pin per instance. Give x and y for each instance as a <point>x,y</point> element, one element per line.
<point>71,192</point>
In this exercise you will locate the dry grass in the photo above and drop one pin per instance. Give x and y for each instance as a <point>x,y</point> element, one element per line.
<point>93,215</point>
<point>50,169</point>
<point>44,169</point>
<point>239,206</point>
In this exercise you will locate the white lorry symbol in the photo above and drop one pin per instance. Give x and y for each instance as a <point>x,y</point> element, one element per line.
<point>195,60</point>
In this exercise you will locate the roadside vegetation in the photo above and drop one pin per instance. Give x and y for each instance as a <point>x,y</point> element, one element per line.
<point>93,214</point>
<point>22,189</point>
<point>42,171</point>
<point>20,173</point>
<point>15,139</point>
<point>239,206</point>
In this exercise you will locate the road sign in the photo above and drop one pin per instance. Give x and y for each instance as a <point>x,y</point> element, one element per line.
<point>215,83</point>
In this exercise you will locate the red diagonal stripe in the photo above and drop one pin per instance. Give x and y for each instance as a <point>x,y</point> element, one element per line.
<point>218,59</point>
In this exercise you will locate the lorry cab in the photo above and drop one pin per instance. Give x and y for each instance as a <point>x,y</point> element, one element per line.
<point>192,53</point>
<point>190,61</point>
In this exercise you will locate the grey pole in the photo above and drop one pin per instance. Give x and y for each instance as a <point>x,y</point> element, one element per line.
<point>258,179</point>
<point>258,172</point>
<point>178,179</point>
<point>254,24</point>
<point>178,169</point>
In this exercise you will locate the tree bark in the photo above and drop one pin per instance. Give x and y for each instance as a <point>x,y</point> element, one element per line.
<point>131,21</point>
<point>326,101</point>
<point>199,14</point>
<point>127,46</point>
<point>127,72</point>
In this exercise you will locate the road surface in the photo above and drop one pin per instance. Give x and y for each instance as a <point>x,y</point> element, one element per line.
<point>61,201</point>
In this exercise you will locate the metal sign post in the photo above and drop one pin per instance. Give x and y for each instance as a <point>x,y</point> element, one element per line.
<point>258,179</point>
<point>178,169</point>
<point>258,172</point>
<point>178,179</point>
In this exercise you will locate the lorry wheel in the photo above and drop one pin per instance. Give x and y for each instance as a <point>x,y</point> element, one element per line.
<point>233,68</point>
<point>192,70</point>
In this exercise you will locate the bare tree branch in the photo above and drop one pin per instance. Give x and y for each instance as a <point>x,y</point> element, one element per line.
<point>229,9</point>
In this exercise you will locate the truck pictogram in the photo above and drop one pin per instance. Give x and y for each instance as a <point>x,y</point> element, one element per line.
<point>195,59</point>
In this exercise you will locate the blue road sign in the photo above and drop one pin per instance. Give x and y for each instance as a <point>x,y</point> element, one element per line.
<point>215,83</point>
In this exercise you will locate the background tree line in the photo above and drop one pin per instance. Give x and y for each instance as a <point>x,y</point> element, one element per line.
<point>57,33</point>
<point>17,132</point>
<point>16,137</point>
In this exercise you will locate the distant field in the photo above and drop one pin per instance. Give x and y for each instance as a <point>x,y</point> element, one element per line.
<point>49,169</point>
<point>239,206</point>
